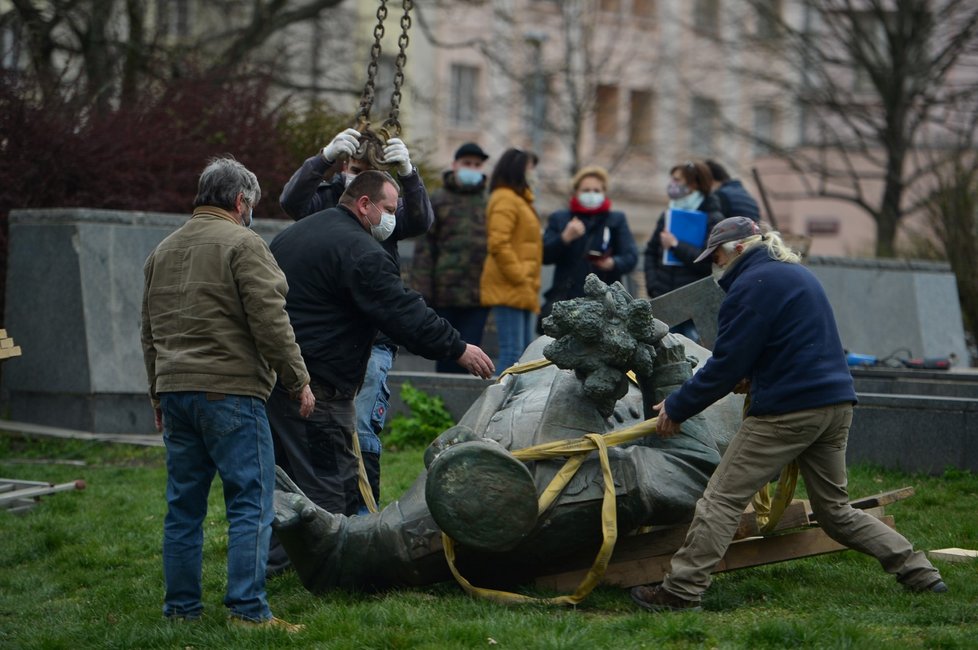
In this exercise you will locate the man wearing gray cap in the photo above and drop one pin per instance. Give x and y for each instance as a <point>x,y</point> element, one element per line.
<point>778,341</point>
<point>448,259</point>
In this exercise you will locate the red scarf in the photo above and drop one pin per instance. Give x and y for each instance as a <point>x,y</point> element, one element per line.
<point>577,208</point>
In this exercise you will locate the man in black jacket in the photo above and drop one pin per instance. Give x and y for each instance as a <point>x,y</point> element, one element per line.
<point>735,200</point>
<point>317,186</point>
<point>344,288</point>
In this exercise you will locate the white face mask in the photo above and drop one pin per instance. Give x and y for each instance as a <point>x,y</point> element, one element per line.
<point>689,202</point>
<point>384,229</point>
<point>590,199</point>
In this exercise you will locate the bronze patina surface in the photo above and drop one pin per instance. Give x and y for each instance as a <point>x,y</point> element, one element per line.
<point>477,490</point>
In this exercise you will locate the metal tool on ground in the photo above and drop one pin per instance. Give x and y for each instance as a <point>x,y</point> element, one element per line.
<point>20,496</point>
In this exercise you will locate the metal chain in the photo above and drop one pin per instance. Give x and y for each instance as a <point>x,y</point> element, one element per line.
<point>367,98</point>
<point>392,124</point>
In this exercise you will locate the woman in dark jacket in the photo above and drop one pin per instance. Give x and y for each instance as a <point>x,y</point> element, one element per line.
<point>586,238</point>
<point>689,189</point>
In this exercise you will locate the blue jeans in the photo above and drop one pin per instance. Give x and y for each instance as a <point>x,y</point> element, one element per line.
<point>372,403</point>
<point>470,323</point>
<point>515,328</point>
<point>206,433</point>
<point>373,399</point>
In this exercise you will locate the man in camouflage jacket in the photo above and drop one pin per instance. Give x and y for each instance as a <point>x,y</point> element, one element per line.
<point>448,259</point>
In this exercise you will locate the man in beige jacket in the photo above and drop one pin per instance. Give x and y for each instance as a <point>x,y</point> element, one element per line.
<point>215,334</point>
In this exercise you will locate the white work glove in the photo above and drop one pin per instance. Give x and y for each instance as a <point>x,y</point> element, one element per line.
<point>396,153</point>
<point>342,146</point>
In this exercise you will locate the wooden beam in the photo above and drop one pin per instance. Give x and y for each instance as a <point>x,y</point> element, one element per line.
<point>750,552</point>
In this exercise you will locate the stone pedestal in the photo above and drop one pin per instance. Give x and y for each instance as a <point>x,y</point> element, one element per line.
<point>74,292</point>
<point>884,307</point>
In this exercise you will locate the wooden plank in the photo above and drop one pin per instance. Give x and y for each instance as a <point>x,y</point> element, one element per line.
<point>6,343</point>
<point>10,352</point>
<point>755,551</point>
<point>3,333</point>
<point>954,554</point>
<point>795,516</point>
<point>883,498</point>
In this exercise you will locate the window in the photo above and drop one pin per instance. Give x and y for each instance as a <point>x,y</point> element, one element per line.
<point>823,226</point>
<point>174,17</point>
<point>702,128</point>
<point>606,113</point>
<point>765,122</point>
<point>768,19</point>
<point>706,16</point>
<point>640,118</point>
<point>463,108</point>
<point>643,8</point>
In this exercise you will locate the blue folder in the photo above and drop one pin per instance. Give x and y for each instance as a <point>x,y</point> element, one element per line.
<point>688,226</point>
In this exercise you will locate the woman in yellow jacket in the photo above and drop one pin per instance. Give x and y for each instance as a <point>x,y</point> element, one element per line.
<point>510,282</point>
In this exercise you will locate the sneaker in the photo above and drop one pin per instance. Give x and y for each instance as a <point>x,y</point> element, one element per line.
<point>181,618</point>
<point>267,624</point>
<point>657,599</point>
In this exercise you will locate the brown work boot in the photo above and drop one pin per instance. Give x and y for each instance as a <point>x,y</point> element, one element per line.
<point>268,624</point>
<point>657,599</point>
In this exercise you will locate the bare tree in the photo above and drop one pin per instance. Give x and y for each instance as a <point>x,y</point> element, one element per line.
<point>556,55</point>
<point>110,51</point>
<point>874,81</point>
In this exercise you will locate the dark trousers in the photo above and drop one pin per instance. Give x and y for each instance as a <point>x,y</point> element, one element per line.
<point>470,323</point>
<point>316,452</point>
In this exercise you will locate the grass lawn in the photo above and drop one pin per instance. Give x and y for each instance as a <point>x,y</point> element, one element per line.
<point>83,570</point>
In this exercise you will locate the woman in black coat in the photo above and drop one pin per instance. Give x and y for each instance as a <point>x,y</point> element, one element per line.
<point>588,237</point>
<point>689,189</point>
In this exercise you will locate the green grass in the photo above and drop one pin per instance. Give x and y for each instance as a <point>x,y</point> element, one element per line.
<point>83,570</point>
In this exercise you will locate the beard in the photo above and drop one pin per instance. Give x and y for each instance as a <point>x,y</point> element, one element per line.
<point>717,272</point>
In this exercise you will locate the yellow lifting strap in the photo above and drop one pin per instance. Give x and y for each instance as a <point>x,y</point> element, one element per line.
<point>536,364</point>
<point>577,450</point>
<point>768,511</point>
<point>365,491</point>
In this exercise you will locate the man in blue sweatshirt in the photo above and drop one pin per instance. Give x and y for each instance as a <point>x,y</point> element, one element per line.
<point>777,339</point>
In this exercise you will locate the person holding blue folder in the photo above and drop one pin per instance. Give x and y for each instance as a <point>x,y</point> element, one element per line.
<point>680,235</point>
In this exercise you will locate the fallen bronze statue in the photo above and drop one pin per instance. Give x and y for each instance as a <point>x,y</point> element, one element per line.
<point>557,459</point>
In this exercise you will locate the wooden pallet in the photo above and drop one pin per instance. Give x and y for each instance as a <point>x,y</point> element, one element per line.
<point>644,558</point>
<point>7,347</point>
<point>20,496</point>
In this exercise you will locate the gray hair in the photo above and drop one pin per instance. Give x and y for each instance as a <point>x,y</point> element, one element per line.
<point>776,247</point>
<point>221,182</point>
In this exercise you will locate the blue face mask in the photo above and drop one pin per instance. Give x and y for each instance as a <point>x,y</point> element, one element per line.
<point>468,177</point>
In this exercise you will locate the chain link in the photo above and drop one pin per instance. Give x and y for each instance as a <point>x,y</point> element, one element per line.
<point>372,142</point>
<point>369,92</point>
<point>392,124</point>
